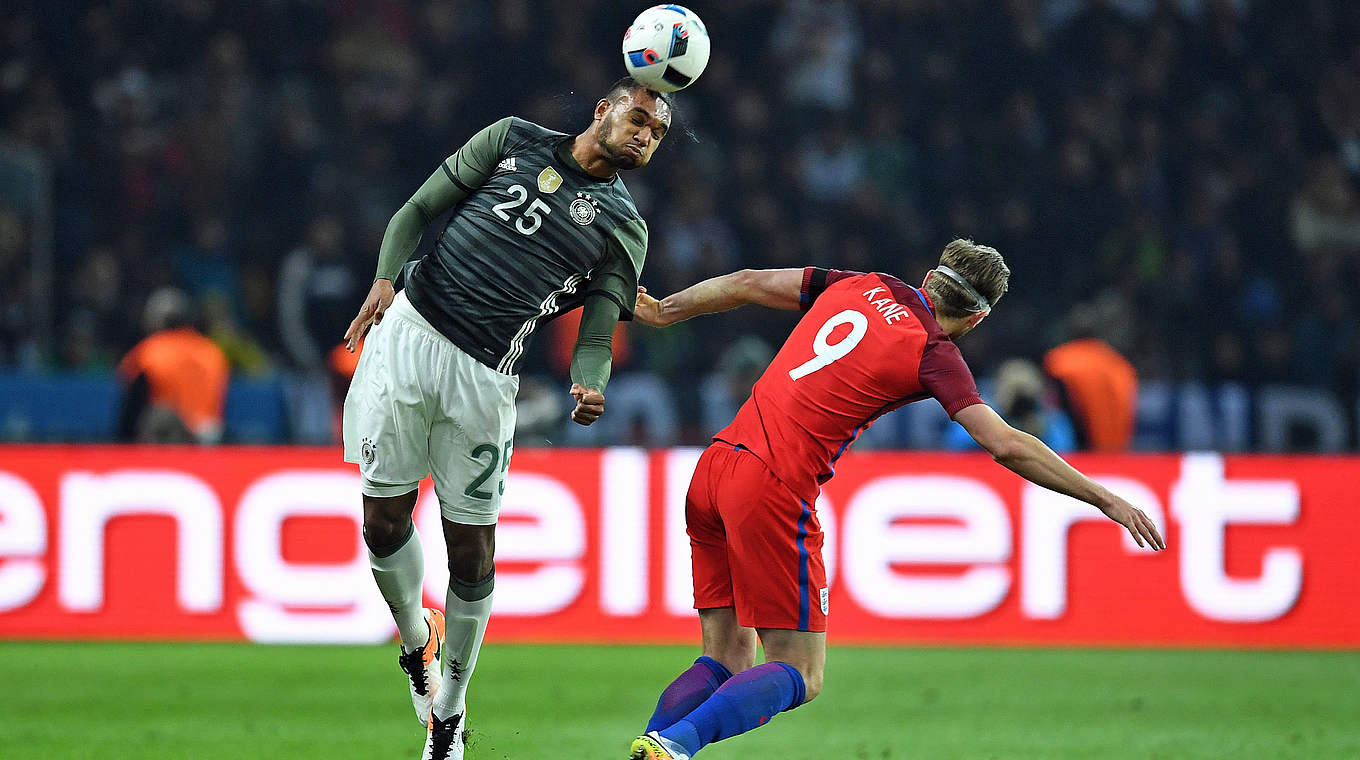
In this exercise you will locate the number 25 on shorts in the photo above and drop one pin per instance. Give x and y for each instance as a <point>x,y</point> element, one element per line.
<point>499,456</point>
<point>825,353</point>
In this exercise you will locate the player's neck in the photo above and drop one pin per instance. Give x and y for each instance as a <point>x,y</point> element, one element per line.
<point>586,150</point>
<point>954,328</point>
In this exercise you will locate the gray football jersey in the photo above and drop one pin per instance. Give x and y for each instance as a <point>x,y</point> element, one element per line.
<point>531,242</point>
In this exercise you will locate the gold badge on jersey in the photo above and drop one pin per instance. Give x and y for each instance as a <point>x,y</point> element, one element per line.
<point>549,180</point>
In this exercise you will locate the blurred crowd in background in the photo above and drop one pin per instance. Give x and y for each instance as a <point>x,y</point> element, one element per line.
<point>1180,179</point>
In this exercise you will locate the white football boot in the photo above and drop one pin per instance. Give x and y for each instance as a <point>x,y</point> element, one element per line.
<point>445,739</point>
<point>422,667</point>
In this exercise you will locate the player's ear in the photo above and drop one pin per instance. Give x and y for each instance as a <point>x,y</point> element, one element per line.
<point>602,108</point>
<point>976,318</point>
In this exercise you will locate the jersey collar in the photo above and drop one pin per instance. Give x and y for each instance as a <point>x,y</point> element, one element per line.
<point>925,299</point>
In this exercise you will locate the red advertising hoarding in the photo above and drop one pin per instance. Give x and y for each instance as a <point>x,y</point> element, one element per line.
<point>264,544</point>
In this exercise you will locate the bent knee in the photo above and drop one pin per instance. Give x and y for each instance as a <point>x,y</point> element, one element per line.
<point>471,553</point>
<point>384,529</point>
<point>472,563</point>
<point>387,519</point>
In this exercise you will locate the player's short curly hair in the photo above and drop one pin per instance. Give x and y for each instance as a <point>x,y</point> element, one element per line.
<point>983,268</point>
<point>627,85</point>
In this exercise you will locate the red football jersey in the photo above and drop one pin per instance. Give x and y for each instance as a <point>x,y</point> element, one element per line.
<point>868,344</point>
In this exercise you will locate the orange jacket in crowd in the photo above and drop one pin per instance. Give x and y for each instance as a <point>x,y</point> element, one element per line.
<point>186,372</point>
<point>1102,391</point>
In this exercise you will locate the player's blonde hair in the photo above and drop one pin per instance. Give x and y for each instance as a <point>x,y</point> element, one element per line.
<point>982,267</point>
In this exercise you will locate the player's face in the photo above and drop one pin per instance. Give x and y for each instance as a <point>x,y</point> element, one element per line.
<point>632,128</point>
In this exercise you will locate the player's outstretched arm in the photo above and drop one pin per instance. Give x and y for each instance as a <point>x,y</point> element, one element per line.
<point>775,288</point>
<point>1029,458</point>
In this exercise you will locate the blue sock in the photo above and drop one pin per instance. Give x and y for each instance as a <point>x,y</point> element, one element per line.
<point>688,691</point>
<point>748,700</point>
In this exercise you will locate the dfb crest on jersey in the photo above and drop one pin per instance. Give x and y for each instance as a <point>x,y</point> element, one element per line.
<point>583,209</point>
<point>368,451</point>
<point>549,180</point>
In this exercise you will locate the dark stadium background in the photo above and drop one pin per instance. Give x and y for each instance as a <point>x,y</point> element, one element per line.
<point>1178,177</point>
<point>1182,174</point>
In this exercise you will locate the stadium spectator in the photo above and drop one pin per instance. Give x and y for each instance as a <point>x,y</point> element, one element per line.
<point>315,291</point>
<point>819,41</point>
<point>175,379</point>
<point>1024,399</point>
<point>1099,387</point>
<point>244,353</point>
<point>1326,212</point>
<point>16,329</point>
<point>727,388</point>
<point>697,239</point>
<point>642,409</point>
<point>340,366</point>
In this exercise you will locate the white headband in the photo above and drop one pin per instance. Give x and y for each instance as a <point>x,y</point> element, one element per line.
<point>982,303</point>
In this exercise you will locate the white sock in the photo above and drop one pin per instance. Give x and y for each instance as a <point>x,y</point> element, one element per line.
<point>400,576</point>
<point>469,607</point>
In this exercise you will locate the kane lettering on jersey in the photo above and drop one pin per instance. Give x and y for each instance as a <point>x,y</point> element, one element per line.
<point>868,344</point>
<point>531,241</point>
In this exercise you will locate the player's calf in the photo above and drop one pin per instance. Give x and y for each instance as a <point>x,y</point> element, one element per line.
<point>689,690</point>
<point>747,701</point>
<point>802,650</point>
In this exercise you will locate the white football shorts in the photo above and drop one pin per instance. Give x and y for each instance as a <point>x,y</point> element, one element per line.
<point>418,405</point>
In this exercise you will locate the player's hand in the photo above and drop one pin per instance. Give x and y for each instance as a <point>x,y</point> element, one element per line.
<point>589,404</point>
<point>647,310</point>
<point>1138,524</point>
<point>371,313</point>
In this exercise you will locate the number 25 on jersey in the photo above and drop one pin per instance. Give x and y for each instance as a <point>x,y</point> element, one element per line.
<point>530,220</point>
<point>826,353</point>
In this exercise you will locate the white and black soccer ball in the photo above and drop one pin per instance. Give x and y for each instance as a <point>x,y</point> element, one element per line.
<point>666,48</point>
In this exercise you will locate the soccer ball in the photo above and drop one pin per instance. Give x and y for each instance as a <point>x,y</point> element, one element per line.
<point>666,48</point>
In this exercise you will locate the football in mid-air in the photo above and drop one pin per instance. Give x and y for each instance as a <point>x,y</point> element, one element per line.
<point>666,48</point>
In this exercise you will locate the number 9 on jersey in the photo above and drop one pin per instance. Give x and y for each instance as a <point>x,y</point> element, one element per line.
<point>826,353</point>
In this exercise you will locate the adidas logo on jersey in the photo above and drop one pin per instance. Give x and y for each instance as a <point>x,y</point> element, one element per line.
<point>506,165</point>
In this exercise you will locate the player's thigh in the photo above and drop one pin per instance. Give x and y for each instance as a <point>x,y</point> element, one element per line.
<point>707,538</point>
<point>726,640</point>
<point>774,541</point>
<point>471,440</point>
<point>803,650</point>
<point>386,421</point>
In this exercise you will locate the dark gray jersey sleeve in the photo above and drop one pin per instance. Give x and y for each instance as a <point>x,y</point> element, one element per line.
<point>592,359</point>
<point>454,180</point>
<point>617,276</point>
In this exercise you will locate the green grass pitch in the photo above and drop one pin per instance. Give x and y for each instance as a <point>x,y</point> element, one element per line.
<point>208,701</point>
